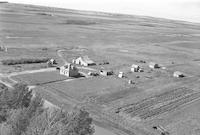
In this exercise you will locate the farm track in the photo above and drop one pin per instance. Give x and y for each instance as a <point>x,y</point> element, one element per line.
<point>159,104</point>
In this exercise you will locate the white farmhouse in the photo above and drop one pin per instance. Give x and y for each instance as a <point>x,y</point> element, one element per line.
<point>69,70</point>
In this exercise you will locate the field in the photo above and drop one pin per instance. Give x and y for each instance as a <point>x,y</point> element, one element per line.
<point>40,78</point>
<point>155,97</point>
<point>159,104</point>
<point>83,89</point>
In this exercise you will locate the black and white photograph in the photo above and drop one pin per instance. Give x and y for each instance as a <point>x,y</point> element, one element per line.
<point>99,67</point>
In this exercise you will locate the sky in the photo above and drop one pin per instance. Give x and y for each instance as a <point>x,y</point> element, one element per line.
<point>186,10</point>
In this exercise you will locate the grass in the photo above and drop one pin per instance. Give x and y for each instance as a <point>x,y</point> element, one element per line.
<point>81,89</point>
<point>40,78</point>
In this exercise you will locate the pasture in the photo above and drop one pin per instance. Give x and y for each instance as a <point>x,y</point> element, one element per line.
<point>40,78</point>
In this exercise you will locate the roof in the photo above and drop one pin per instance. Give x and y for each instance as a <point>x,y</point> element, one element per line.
<point>135,66</point>
<point>178,73</point>
<point>104,70</point>
<point>69,66</point>
<point>87,60</point>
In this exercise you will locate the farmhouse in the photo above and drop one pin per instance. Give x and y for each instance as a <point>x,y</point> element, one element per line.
<point>153,65</point>
<point>178,74</point>
<point>69,70</point>
<point>106,72</point>
<point>84,61</point>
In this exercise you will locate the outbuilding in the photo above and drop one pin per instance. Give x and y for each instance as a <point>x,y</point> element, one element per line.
<point>3,48</point>
<point>153,65</point>
<point>69,70</point>
<point>135,68</point>
<point>121,75</point>
<point>51,62</point>
<point>178,74</point>
<point>106,72</point>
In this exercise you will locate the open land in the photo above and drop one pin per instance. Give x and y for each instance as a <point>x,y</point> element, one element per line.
<point>156,98</point>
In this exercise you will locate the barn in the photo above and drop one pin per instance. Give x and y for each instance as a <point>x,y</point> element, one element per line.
<point>84,61</point>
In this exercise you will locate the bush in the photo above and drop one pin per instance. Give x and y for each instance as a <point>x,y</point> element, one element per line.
<point>24,61</point>
<point>2,86</point>
<point>20,97</point>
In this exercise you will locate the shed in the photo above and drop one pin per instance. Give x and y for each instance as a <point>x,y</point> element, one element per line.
<point>106,72</point>
<point>69,70</point>
<point>121,75</point>
<point>84,61</point>
<point>178,74</point>
<point>153,65</point>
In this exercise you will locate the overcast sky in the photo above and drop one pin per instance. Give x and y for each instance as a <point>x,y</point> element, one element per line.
<point>187,10</point>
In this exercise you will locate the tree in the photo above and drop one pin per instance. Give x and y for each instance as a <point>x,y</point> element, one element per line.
<point>20,118</point>
<point>23,114</point>
<point>60,122</point>
<point>79,123</point>
<point>20,97</point>
<point>18,121</point>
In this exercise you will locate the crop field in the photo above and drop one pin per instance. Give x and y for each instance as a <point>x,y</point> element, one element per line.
<point>165,102</point>
<point>40,78</point>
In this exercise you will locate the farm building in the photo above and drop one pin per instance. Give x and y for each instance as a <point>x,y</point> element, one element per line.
<point>3,48</point>
<point>84,61</point>
<point>135,68</point>
<point>178,74</point>
<point>130,82</point>
<point>153,65</point>
<point>69,70</point>
<point>93,74</point>
<point>106,72</point>
<point>121,75</point>
<point>51,62</point>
